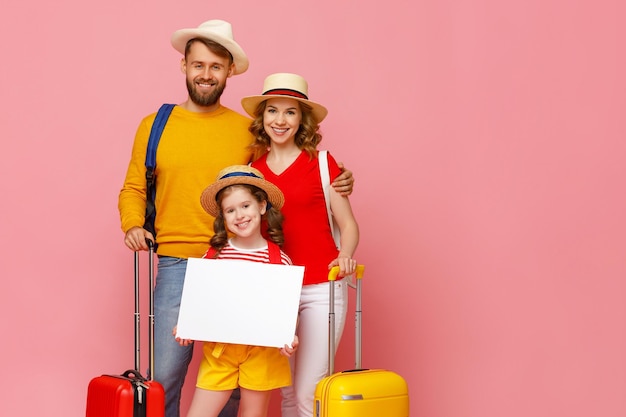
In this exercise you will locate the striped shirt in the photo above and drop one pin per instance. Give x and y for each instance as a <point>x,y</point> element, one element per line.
<point>254,255</point>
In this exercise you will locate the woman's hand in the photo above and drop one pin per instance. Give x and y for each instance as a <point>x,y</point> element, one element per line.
<point>346,265</point>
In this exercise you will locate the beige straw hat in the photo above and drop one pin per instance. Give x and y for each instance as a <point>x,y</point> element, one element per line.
<point>239,174</point>
<point>218,31</point>
<point>284,85</point>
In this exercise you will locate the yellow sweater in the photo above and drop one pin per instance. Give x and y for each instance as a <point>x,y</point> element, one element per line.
<point>194,147</point>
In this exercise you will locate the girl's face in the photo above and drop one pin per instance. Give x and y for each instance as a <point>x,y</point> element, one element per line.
<point>242,212</point>
<point>281,119</point>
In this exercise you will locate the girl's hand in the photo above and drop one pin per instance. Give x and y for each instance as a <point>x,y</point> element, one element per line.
<point>289,350</point>
<point>346,265</point>
<point>182,342</point>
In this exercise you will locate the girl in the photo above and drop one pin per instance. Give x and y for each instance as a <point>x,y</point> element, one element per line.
<point>285,128</point>
<point>241,201</point>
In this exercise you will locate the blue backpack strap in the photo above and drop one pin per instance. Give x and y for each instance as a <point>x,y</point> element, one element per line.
<point>153,142</point>
<point>155,133</point>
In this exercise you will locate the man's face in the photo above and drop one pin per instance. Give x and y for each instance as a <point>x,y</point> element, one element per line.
<point>206,75</point>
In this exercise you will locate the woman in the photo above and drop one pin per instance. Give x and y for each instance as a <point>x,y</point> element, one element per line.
<point>286,132</point>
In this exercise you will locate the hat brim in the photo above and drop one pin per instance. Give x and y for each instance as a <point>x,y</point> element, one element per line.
<point>182,36</point>
<point>251,103</point>
<point>209,204</point>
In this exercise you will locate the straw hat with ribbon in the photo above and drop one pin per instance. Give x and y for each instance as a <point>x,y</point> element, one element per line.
<point>239,174</point>
<point>284,85</point>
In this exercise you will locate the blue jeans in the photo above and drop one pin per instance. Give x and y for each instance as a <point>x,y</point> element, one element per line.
<point>171,360</point>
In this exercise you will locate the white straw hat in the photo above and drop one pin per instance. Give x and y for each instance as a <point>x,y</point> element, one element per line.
<point>218,31</point>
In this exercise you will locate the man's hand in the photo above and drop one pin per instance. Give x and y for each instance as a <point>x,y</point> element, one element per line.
<point>344,183</point>
<point>136,237</point>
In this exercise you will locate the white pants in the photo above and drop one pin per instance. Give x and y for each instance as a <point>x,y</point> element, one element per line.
<point>309,365</point>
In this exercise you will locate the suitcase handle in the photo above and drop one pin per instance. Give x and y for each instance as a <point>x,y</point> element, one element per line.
<point>133,374</point>
<point>334,272</point>
<point>332,276</point>
<point>151,245</point>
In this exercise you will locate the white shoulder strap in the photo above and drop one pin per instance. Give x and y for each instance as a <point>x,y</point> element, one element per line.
<point>325,176</point>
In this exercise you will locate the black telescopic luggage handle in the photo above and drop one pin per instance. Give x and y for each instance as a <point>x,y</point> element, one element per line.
<point>151,312</point>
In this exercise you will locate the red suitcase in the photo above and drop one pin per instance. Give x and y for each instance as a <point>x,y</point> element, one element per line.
<point>358,392</point>
<point>130,394</point>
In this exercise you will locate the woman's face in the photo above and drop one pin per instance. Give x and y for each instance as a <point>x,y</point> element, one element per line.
<point>281,119</point>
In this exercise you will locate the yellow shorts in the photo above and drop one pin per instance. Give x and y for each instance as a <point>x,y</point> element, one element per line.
<point>257,368</point>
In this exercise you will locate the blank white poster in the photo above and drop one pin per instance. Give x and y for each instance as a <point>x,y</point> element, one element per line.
<point>240,302</point>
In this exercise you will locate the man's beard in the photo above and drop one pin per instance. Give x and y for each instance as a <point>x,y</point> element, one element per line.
<point>205,100</point>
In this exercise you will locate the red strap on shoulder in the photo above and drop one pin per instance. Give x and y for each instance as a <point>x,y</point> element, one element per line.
<point>272,248</point>
<point>274,252</point>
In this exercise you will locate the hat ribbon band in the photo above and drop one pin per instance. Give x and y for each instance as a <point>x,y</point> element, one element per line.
<point>240,174</point>
<point>285,92</point>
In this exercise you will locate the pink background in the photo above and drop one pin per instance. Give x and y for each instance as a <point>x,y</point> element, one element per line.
<point>487,140</point>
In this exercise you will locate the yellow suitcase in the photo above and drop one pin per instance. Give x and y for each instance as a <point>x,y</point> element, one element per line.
<point>358,392</point>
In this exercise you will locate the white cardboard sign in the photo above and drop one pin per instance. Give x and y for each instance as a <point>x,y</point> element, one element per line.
<point>240,302</point>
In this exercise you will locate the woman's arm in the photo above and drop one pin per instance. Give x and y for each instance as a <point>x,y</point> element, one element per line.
<point>349,229</point>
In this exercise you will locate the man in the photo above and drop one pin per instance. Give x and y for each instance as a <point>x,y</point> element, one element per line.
<point>200,138</point>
